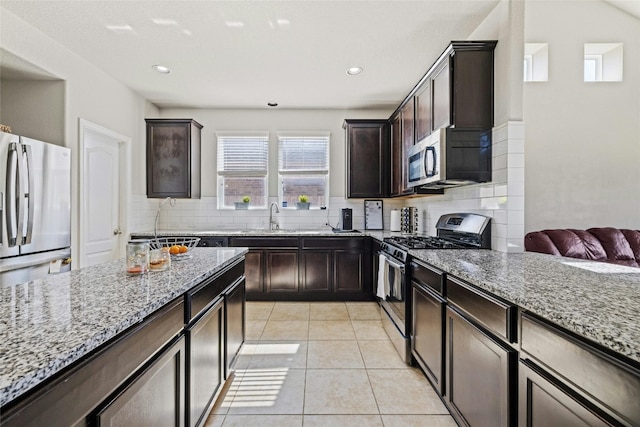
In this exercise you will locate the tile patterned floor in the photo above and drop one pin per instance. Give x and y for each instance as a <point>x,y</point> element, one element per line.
<point>324,364</point>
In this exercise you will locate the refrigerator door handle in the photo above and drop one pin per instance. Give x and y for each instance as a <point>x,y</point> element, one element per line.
<point>29,195</point>
<point>20,197</point>
<point>11,184</point>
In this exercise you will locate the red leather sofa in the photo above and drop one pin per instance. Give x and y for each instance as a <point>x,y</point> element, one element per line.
<point>615,245</point>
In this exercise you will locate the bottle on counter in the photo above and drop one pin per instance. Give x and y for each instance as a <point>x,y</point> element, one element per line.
<point>159,259</point>
<point>137,260</point>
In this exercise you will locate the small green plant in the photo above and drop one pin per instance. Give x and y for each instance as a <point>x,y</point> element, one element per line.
<point>246,199</point>
<point>303,199</point>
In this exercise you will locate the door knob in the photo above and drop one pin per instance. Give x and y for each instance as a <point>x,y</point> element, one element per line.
<point>116,231</point>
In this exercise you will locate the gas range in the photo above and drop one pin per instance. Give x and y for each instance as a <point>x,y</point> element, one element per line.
<point>454,231</point>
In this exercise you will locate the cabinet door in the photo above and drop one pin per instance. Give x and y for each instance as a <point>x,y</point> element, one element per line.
<point>396,156</point>
<point>234,310</point>
<point>281,271</point>
<point>545,402</point>
<point>441,97</point>
<point>204,365</point>
<point>154,398</point>
<point>427,337</point>
<point>367,158</point>
<point>423,112</point>
<point>348,271</point>
<point>253,271</point>
<point>408,140</point>
<point>473,89</point>
<point>480,375</point>
<point>173,158</point>
<point>316,271</point>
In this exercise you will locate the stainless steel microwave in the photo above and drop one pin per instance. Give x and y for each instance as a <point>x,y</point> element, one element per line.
<point>450,157</point>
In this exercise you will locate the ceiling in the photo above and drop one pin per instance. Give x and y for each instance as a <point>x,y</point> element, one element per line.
<point>244,54</point>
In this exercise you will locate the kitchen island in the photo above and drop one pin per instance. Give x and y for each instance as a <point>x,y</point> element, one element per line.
<point>528,338</point>
<point>65,329</point>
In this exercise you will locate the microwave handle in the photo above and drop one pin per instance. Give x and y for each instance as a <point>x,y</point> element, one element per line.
<point>431,150</point>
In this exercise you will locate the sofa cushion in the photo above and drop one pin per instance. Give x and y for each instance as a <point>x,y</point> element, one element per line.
<point>608,244</point>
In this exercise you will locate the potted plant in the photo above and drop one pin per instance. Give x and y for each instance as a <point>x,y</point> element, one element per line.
<point>244,204</point>
<point>303,202</point>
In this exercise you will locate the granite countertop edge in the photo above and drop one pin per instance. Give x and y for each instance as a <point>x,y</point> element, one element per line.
<point>12,389</point>
<point>598,307</point>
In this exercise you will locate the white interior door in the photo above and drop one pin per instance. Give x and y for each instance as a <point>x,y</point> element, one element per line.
<point>102,232</point>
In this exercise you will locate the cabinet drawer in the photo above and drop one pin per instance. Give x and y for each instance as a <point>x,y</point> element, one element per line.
<point>264,242</point>
<point>201,297</point>
<point>427,276</point>
<point>490,312</point>
<point>356,243</point>
<point>600,376</point>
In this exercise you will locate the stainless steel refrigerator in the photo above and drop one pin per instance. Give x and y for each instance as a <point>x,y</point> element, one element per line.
<point>35,209</point>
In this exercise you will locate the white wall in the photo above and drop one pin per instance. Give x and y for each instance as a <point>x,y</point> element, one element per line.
<point>582,139</point>
<point>89,94</point>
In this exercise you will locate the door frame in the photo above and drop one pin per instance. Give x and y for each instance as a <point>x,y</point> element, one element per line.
<point>124,149</point>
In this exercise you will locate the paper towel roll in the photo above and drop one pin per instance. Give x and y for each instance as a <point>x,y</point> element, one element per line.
<point>395,220</point>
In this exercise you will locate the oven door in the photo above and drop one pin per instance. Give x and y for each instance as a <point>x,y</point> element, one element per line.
<point>395,290</point>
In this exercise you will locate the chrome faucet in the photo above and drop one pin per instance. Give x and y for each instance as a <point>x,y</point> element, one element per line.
<point>273,224</point>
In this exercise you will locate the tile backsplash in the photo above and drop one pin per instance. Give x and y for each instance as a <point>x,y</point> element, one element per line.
<point>502,200</point>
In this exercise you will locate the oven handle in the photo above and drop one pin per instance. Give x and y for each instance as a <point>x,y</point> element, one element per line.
<point>392,263</point>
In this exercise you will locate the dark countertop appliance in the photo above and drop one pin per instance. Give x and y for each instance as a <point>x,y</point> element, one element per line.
<point>454,231</point>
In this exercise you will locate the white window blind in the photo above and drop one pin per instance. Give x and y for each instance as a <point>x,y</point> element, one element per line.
<point>303,166</point>
<point>303,154</point>
<point>243,155</point>
<point>243,162</point>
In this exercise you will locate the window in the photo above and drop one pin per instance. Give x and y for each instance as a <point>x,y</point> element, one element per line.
<point>242,169</point>
<point>303,165</point>
<point>603,62</point>
<point>536,62</point>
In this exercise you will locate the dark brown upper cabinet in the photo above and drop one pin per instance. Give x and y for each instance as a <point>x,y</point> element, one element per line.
<point>424,105</point>
<point>396,155</point>
<point>367,158</point>
<point>457,90</point>
<point>173,158</point>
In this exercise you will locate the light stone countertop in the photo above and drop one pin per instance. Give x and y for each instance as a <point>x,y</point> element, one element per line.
<point>601,306</point>
<point>48,324</point>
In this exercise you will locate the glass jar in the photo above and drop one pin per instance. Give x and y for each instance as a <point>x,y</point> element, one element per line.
<point>159,259</point>
<point>137,259</point>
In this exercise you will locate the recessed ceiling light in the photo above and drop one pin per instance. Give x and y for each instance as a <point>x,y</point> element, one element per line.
<point>234,24</point>
<point>354,71</point>
<point>163,21</point>
<point>162,69</point>
<point>272,104</point>
<point>121,29</point>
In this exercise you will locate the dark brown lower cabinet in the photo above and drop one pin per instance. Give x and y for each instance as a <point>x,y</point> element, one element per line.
<point>427,340</point>
<point>253,270</point>
<point>316,271</point>
<point>348,271</point>
<point>326,268</point>
<point>563,373</point>
<point>546,402</point>
<point>234,308</point>
<point>281,271</point>
<point>481,371</point>
<point>154,398</point>
<point>205,342</point>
